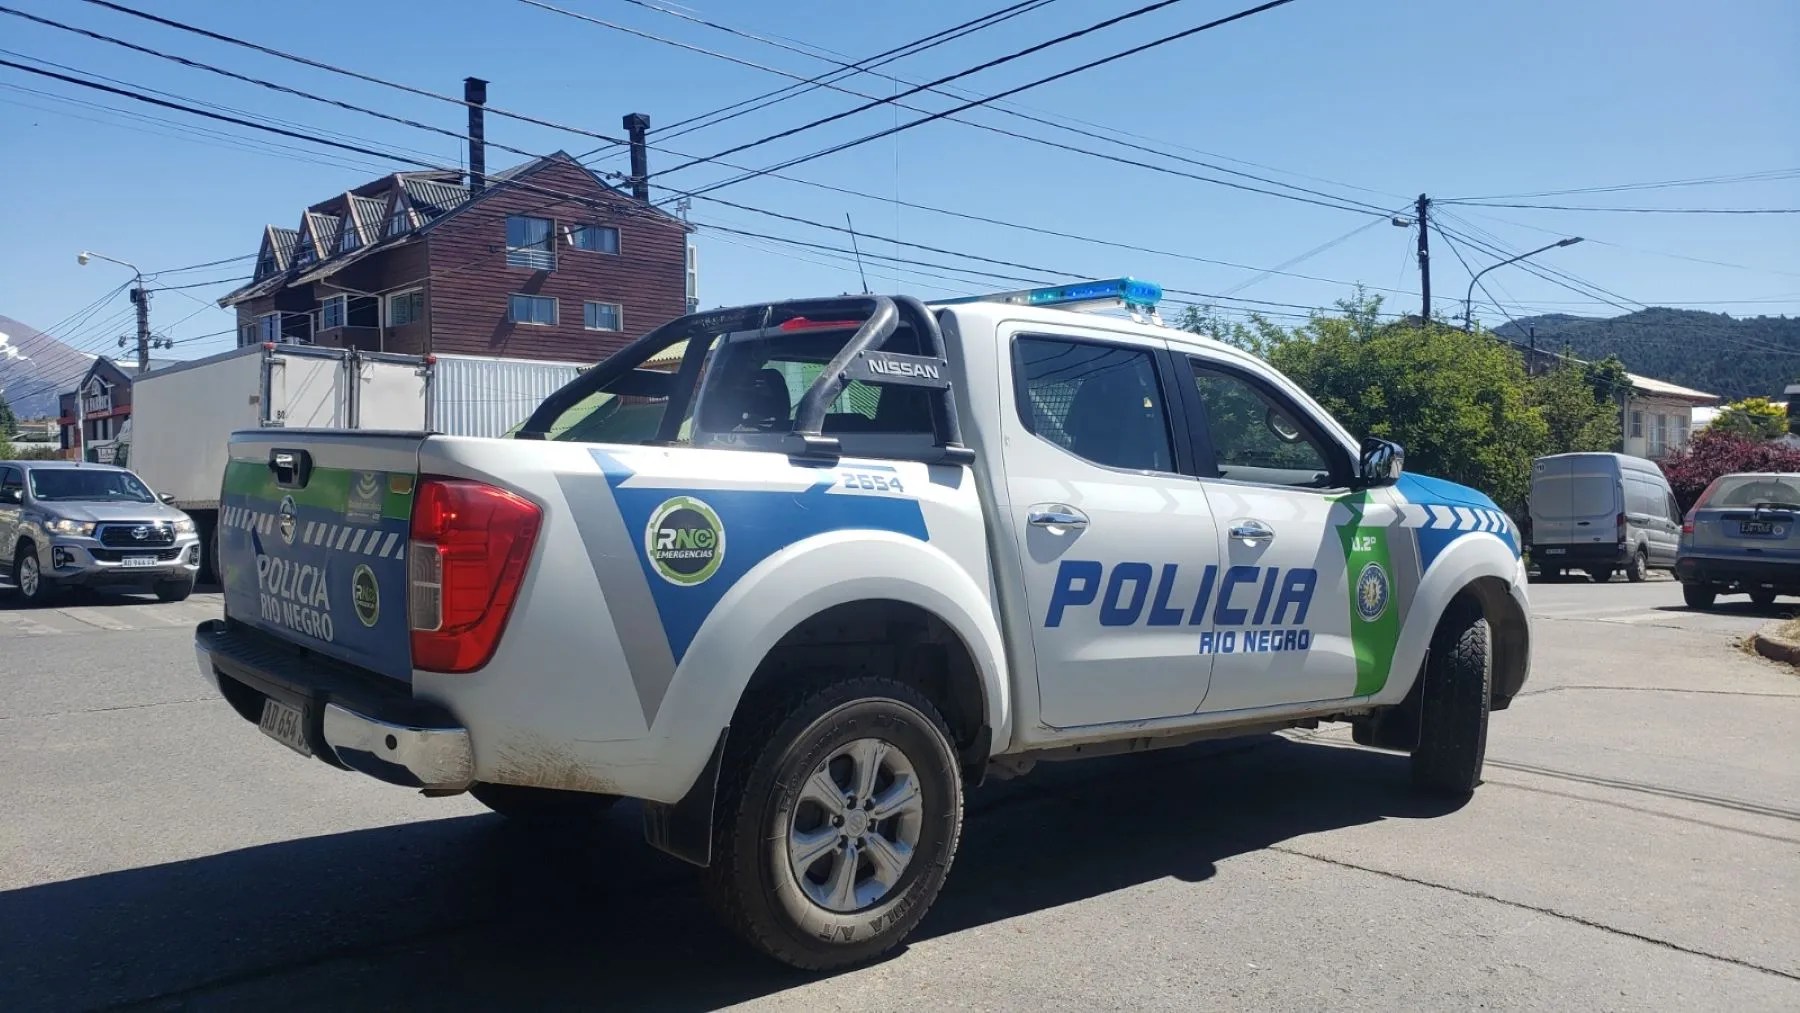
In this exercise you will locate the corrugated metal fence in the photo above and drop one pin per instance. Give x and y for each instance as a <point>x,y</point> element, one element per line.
<point>472,396</point>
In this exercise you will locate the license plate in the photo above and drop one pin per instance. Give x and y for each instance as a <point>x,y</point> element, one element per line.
<point>133,561</point>
<point>1755,528</point>
<point>286,725</point>
<point>1554,552</point>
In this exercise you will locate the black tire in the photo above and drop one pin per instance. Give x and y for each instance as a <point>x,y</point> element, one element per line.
<point>1639,568</point>
<point>1453,711</point>
<point>1698,597</point>
<point>771,759</point>
<point>42,589</point>
<point>174,590</point>
<point>1762,599</point>
<point>543,807</point>
<point>1601,575</point>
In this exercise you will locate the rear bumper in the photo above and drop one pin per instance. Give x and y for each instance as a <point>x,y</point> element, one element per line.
<point>1726,572</point>
<point>354,719</point>
<point>1580,554</point>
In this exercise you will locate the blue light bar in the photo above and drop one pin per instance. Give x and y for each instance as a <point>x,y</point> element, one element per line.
<point>1128,292</point>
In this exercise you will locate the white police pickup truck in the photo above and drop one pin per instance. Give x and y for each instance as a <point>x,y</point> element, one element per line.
<point>801,590</point>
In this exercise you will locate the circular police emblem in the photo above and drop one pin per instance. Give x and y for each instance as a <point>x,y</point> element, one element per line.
<point>1371,592</point>
<point>365,594</point>
<point>289,519</point>
<point>685,541</point>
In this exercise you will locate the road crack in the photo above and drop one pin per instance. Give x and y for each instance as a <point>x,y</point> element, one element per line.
<point>1539,909</point>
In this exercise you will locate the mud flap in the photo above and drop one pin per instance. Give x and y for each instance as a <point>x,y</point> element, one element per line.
<point>684,828</point>
<point>1396,727</point>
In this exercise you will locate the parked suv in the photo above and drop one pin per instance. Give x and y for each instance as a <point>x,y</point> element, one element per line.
<point>1740,538</point>
<point>64,523</point>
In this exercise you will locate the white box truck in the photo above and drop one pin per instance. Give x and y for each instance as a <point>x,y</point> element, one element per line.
<point>183,415</point>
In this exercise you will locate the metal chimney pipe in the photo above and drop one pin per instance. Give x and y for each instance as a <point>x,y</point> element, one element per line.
<point>636,126</point>
<point>475,94</point>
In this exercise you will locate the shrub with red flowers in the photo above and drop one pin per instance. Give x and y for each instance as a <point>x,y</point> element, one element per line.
<point>1712,453</point>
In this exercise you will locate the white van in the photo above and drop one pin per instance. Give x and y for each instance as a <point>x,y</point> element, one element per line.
<point>1601,513</point>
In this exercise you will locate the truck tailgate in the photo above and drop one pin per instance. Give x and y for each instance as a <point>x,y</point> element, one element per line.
<point>313,530</point>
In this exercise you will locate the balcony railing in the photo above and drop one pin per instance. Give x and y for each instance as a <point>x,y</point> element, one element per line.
<point>97,403</point>
<point>531,257</point>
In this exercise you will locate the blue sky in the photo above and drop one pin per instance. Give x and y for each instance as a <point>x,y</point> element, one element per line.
<point>1374,101</point>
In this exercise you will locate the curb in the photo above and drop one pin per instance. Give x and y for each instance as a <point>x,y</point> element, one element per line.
<point>1772,645</point>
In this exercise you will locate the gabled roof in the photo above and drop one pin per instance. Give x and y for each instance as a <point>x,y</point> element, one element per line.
<point>432,198</point>
<point>371,216</point>
<point>1662,388</point>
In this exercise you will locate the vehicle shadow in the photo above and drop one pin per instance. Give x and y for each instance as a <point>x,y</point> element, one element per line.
<point>470,912</point>
<point>1741,607</point>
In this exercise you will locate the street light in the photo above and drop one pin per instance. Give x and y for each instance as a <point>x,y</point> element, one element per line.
<point>139,296</point>
<point>1469,299</point>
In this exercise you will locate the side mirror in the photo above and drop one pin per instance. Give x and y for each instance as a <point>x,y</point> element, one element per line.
<point>1379,463</point>
<point>166,497</point>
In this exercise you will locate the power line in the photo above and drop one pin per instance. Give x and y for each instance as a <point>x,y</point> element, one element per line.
<point>843,71</point>
<point>1763,176</point>
<point>898,128</point>
<point>1474,278</point>
<point>978,68</point>
<point>247,79</point>
<point>1308,255</point>
<point>1640,211</point>
<point>1105,134</point>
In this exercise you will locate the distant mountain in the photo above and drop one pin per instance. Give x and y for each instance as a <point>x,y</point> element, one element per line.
<point>42,368</point>
<point>1729,356</point>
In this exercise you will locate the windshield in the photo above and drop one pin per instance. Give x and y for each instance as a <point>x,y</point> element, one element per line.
<point>1752,490</point>
<point>88,484</point>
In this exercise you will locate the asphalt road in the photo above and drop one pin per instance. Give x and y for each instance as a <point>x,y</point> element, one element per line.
<point>1637,845</point>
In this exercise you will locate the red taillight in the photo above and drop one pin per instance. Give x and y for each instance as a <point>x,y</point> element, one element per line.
<point>470,544</point>
<point>803,324</point>
<point>1687,525</point>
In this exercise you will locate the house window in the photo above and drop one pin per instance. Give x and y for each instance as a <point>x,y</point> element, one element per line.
<point>597,238</point>
<point>347,238</point>
<point>268,327</point>
<point>406,307</point>
<point>531,309</point>
<point>528,243</point>
<point>1681,432</point>
<point>693,280</point>
<point>399,222</point>
<point>602,316</point>
<point>332,312</point>
<point>265,266</point>
<point>1637,425</point>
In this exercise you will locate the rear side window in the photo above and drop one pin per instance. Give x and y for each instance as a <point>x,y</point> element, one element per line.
<point>750,384</point>
<point>1100,402</point>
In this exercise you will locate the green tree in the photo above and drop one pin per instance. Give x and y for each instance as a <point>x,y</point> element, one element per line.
<point>9,423</point>
<point>1460,403</point>
<point>1755,418</point>
<point>1577,407</point>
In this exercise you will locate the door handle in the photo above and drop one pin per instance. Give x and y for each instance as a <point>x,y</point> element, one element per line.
<point>1252,531</point>
<point>1056,515</point>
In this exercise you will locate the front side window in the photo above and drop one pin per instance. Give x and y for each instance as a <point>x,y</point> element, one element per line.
<point>1100,402</point>
<point>602,316</point>
<point>11,488</point>
<point>1254,436</point>
<point>528,243</point>
<point>531,309</point>
<point>406,307</point>
<point>597,238</point>
<point>331,313</point>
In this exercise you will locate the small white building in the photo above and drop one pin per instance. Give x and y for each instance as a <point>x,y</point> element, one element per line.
<point>1658,417</point>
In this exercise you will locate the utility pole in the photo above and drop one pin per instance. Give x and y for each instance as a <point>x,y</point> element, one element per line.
<point>141,296</point>
<point>1423,209</point>
<point>1531,363</point>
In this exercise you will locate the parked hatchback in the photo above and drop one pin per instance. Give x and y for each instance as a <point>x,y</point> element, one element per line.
<point>1740,538</point>
<point>65,524</point>
<point>1601,513</point>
